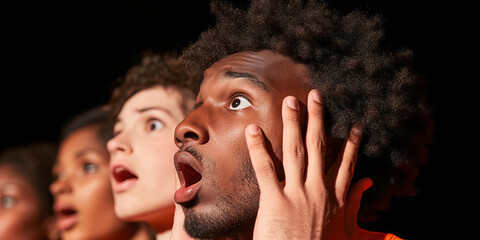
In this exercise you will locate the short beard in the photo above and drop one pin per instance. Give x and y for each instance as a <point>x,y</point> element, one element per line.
<point>233,214</point>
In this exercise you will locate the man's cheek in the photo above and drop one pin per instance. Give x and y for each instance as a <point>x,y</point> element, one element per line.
<point>273,142</point>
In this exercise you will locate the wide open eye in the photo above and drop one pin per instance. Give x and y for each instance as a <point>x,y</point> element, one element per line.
<point>7,202</point>
<point>239,103</point>
<point>89,167</point>
<point>155,124</point>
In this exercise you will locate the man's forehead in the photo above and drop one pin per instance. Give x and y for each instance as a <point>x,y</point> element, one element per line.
<point>265,66</point>
<point>259,59</point>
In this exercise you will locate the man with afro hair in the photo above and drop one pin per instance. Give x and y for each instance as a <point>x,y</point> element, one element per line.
<point>293,94</point>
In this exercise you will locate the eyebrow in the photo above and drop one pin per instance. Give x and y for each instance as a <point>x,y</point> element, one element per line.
<point>251,78</point>
<point>156,108</point>
<point>146,109</point>
<point>85,151</point>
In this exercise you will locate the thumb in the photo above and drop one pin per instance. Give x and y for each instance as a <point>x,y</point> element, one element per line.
<point>353,205</point>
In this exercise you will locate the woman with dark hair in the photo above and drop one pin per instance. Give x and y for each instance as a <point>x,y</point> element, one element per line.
<point>26,204</point>
<point>82,190</point>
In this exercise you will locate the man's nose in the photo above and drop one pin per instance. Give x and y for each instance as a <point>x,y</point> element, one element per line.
<point>191,130</point>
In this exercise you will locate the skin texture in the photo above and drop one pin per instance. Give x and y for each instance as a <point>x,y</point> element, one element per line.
<point>83,184</point>
<point>303,189</point>
<point>143,144</point>
<point>312,203</point>
<point>216,122</point>
<point>21,216</point>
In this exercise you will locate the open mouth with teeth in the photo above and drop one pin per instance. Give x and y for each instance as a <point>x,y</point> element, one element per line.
<point>121,174</point>
<point>124,179</point>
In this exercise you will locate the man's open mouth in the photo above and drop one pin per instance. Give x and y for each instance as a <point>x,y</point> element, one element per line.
<point>190,177</point>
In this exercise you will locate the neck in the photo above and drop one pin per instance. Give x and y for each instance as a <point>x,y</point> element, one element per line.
<point>240,237</point>
<point>248,235</point>
<point>162,220</point>
<point>164,235</point>
<point>144,232</point>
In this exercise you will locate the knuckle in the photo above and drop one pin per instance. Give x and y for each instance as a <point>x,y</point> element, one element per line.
<point>317,111</point>
<point>255,145</point>
<point>316,108</point>
<point>264,167</point>
<point>299,150</point>
<point>319,143</point>
<point>322,144</point>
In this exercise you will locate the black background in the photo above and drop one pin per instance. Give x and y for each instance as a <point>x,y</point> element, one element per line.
<point>62,57</point>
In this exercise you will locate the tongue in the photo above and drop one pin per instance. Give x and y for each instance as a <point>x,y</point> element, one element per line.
<point>123,175</point>
<point>191,176</point>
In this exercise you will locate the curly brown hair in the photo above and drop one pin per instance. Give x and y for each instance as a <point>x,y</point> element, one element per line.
<point>361,80</point>
<point>155,69</point>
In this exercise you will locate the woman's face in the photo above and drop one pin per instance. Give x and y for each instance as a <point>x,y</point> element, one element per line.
<point>142,170</point>
<point>83,196</point>
<point>21,215</point>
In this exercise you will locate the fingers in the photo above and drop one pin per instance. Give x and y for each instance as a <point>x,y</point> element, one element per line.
<point>346,162</point>
<point>353,205</point>
<point>262,162</point>
<point>293,148</point>
<point>315,139</point>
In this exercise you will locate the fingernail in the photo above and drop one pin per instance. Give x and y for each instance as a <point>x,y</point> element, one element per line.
<point>357,130</point>
<point>316,96</point>
<point>367,184</point>
<point>253,129</point>
<point>292,103</point>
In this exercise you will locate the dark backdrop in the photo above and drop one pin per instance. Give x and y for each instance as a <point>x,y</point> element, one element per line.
<point>61,57</point>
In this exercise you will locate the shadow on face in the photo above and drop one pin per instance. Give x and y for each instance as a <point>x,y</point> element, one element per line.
<point>238,90</point>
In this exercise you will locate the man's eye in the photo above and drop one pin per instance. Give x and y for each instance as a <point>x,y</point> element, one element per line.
<point>7,202</point>
<point>239,103</point>
<point>155,124</point>
<point>89,168</point>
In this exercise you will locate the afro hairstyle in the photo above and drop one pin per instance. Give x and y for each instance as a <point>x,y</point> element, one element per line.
<point>362,80</point>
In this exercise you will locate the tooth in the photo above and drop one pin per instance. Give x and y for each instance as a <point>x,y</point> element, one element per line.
<point>119,169</point>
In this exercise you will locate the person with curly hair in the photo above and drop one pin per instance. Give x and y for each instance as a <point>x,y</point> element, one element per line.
<point>153,97</point>
<point>293,94</point>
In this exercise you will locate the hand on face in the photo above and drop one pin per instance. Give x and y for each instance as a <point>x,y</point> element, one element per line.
<point>309,204</point>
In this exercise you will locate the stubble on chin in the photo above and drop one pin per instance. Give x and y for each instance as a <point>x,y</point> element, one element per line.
<point>231,213</point>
